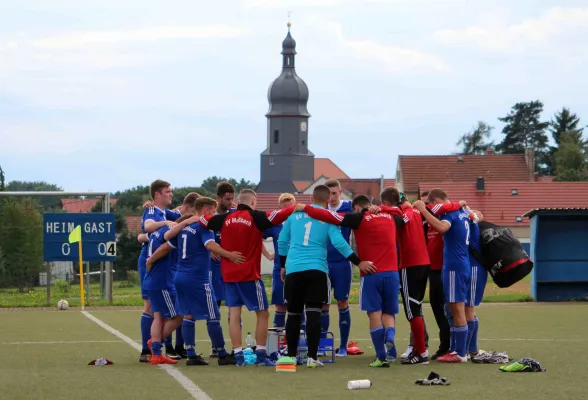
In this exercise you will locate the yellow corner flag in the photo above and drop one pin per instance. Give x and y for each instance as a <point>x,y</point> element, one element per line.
<point>76,236</point>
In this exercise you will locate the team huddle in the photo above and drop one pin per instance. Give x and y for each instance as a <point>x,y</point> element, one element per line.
<point>208,251</point>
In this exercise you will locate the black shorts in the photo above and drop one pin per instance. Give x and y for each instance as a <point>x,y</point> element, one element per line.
<point>306,288</point>
<point>413,283</point>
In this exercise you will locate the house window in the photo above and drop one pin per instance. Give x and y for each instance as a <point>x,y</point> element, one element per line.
<point>304,142</point>
<point>272,161</point>
<point>519,219</point>
<point>287,60</point>
<point>514,192</point>
<point>276,136</point>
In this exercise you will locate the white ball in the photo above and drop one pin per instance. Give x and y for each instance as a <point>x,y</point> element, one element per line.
<point>62,305</point>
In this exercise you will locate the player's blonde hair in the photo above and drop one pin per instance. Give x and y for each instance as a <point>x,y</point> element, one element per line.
<point>284,197</point>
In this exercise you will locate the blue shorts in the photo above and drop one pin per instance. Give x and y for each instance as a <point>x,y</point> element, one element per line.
<point>196,298</point>
<point>163,301</point>
<point>456,284</point>
<point>249,294</point>
<point>477,286</point>
<point>142,273</point>
<point>340,275</point>
<point>379,292</point>
<point>277,288</point>
<point>216,280</point>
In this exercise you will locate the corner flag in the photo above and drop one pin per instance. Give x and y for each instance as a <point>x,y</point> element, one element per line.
<point>76,236</point>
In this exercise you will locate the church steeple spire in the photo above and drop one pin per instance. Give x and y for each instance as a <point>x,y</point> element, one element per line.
<point>288,49</point>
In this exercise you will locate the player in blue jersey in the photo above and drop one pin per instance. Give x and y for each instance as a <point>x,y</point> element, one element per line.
<point>162,296</point>
<point>456,272</point>
<point>302,247</point>
<point>475,291</point>
<point>340,274</point>
<point>196,297</point>
<point>285,200</point>
<point>153,218</point>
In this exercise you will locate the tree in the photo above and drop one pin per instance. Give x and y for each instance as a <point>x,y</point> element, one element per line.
<point>48,202</point>
<point>570,159</point>
<point>2,180</point>
<point>209,184</point>
<point>132,199</point>
<point>474,142</point>
<point>524,130</point>
<point>563,122</point>
<point>21,235</point>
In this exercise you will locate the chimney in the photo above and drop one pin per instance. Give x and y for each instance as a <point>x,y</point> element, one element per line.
<point>480,184</point>
<point>530,161</point>
<point>460,159</point>
<point>381,183</point>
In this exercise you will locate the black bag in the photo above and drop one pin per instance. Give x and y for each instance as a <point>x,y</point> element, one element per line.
<point>502,255</point>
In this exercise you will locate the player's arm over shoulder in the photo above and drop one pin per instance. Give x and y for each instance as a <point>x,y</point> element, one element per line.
<point>284,238</point>
<point>213,222</point>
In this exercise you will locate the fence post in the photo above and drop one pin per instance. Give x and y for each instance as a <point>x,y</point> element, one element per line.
<point>108,277</point>
<point>48,282</point>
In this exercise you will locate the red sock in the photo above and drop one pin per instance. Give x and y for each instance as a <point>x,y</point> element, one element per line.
<point>417,326</point>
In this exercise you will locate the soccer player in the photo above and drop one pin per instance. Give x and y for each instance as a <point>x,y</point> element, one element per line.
<point>153,218</point>
<point>160,289</point>
<point>242,231</point>
<point>456,273</point>
<point>285,200</point>
<point>302,247</point>
<point>340,275</point>
<point>375,235</point>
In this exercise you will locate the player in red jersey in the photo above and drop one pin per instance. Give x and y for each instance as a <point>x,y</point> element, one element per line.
<point>242,231</point>
<point>375,235</point>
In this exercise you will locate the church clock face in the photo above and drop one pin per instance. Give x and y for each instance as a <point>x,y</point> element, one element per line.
<point>303,126</point>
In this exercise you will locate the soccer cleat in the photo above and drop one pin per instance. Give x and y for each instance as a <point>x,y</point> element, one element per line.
<point>171,353</point>
<point>452,358</point>
<point>486,357</point>
<point>407,352</point>
<point>341,352</point>
<point>229,359</point>
<point>380,364</point>
<point>239,359</point>
<point>213,353</point>
<point>353,349</point>
<point>286,364</point>
<point>391,352</point>
<point>198,360</point>
<point>523,365</point>
<point>416,358</point>
<point>161,359</point>
<point>181,352</point>
<point>145,356</point>
<point>439,353</point>
<point>312,363</point>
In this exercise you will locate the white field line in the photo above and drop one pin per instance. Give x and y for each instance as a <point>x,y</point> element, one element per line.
<point>186,383</point>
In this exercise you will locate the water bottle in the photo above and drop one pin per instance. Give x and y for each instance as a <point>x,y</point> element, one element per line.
<point>249,340</point>
<point>302,346</point>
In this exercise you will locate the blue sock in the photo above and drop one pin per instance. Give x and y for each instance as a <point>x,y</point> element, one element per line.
<point>215,331</point>
<point>179,337</point>
<point>168,341</point>
<point>303,321</point>
<point>325,320</point>
<point>461,337</point>
<point>473,342</point>
<point>146,321</point>
<point>156,348</point>
<point>345,326</point>
<point>261,353</point>
<point>279,319</point>
<point>470,333</point>
<point>378,339</point>
<point>390,334</point>
<point>452,339</point>
<point>189,331</point>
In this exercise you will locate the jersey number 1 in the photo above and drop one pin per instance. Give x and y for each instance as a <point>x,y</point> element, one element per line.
<point>307,227</point>
<point>184,240</point>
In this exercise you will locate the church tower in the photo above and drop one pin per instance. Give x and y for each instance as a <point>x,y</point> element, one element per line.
<point>286,158</point>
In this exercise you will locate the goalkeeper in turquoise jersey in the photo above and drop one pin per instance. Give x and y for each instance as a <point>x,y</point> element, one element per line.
<point>302,247</point>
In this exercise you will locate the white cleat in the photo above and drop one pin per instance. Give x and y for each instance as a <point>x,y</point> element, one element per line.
<point>407,353</point>
<point>312,363</point>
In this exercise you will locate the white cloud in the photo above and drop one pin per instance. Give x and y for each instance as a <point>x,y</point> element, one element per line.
<point>30,139</point>
<point>536,32</point>
<point>77,39</point>
<point>293,4</point>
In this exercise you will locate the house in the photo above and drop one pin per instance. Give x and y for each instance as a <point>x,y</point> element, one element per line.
<point>81,205</point>
<point>505,203</point>
<point>412,170</point>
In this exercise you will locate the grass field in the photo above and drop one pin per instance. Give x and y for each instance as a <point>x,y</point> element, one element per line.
<point>131,296</point>
<point>45,355</point>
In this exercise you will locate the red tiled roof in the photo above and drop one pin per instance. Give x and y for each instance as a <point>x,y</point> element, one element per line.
<point>501,207</point>
<point>81,205</point>
<point>301,185</point>
<point>493,167</point>
<point>368,187</point>
<point>389,183</point>
<point>133,223</point>
<point>326,167</point>
<point>269,201</point>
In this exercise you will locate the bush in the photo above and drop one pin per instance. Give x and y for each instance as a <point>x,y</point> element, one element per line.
<point>126,284</point>
<point>133,278</point>
<point>62,287</point>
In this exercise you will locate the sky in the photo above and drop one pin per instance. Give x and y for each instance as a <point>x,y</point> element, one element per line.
<point>114,94</point>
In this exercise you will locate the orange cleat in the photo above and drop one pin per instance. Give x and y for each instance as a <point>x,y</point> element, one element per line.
<point>161,359</point>
<point>353,349</point>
